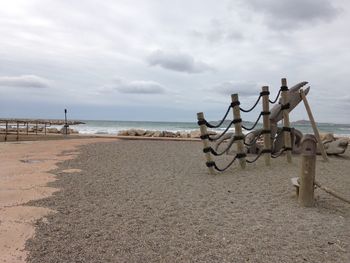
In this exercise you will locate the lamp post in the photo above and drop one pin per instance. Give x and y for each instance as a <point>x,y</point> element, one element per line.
<point>65,122</point>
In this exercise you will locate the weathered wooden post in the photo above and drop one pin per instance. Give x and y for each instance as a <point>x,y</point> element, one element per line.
<point>17,137</point>
<point>308,168</point>
<point>313,124</point>
<point>205,140</point>
<point>27,128</point>
<point>266,123</point>
<point>286,124</point>
<point>238,129</point>
<point>36,128</point>
<point>45,127</point>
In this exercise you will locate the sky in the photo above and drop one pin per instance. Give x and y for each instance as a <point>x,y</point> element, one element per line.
<point>165,60</point>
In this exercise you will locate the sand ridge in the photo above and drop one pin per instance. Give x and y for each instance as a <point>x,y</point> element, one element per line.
<point>24,175</point>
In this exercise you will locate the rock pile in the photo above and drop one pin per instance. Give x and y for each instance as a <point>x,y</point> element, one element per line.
<point>168,134</point>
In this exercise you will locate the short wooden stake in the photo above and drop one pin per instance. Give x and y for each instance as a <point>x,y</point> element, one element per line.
<point>308,168</point>
<point>17,137</point>
<point>287,134</point>
<point>266,125</point>
<point>313,124</point>
<point>238,129</point>
<point>206,143</point>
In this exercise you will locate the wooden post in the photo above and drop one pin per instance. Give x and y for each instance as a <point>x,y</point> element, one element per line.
<point>313,124</point>
<point>206,144</point>
<point>27,128</point>
<point>36,128</point>
<point>308,168</point>
<point>287,134</point>
<point>266,124</point>
<point>17,137</point>
<point>45,128</point>
<point>238,129</point>
<point>6,130</point>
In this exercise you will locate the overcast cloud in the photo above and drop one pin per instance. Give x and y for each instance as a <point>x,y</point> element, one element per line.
<point>241,88</point>
<point>173,57</point>
<point>177,62</point>
<point>286,14</point>
<point>24,81</point>
<point>138,87</point>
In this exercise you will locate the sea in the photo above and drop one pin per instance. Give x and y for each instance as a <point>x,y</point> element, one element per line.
<point>113,127</point>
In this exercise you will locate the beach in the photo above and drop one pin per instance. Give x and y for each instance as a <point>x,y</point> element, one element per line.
<point>174,131</point>
<point>25,172</point>
<point>154,201</point>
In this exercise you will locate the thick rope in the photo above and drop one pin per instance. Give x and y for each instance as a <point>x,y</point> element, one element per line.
<point>256,137</point>
<point>212,139</point>
<point>258,156</point>
<point>253,141</point>
<point>213,164</point>
<point>211,150</point>
<point>280,152</point>
<point>274,101</point>
<point>256,122</point>
<point>220,123</point>
<point>252,108</point>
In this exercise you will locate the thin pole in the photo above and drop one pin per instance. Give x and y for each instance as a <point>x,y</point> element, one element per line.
<point>331,192</point>
<point>17,137</point>
<point>287,134</point>
<point>313,124</point>
<point>45,128</point>
<point>266,124</point>
<point>27,128</point>
<point>6,130</point>
<point>238,129</point>
<point>36,128</point>
<point>65,121</point>
<point>206,144</point>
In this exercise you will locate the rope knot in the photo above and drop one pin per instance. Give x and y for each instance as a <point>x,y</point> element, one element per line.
<point>235,103</point>
<point>210,164</point>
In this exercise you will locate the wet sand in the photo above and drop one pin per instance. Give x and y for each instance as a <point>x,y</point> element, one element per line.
<point>154,201</point>
<point>24,175</point>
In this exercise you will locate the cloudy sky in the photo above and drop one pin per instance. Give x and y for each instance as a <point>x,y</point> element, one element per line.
<point>166,60</point>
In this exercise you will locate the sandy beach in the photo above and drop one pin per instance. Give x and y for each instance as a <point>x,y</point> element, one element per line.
<point>154,201</point>
<point>24,176</point>
<point>118,121</point>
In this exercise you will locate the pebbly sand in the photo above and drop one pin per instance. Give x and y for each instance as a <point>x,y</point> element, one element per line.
<point>24,174</point>
<point>154,201</point>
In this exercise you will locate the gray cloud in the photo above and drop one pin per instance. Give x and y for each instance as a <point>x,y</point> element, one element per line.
<point>218,30</point>
<point>245,89</point>
<point>286,14</point>
<point>24,81</point>
<point>138,87</point>
<point>251,40</point>
<point>177,61</point>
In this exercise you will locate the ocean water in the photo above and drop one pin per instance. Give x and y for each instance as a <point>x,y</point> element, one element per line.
<point>113,127</point>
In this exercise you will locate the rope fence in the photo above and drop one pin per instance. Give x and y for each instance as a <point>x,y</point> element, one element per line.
<point>239,138</point>
<point>307,182</point>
